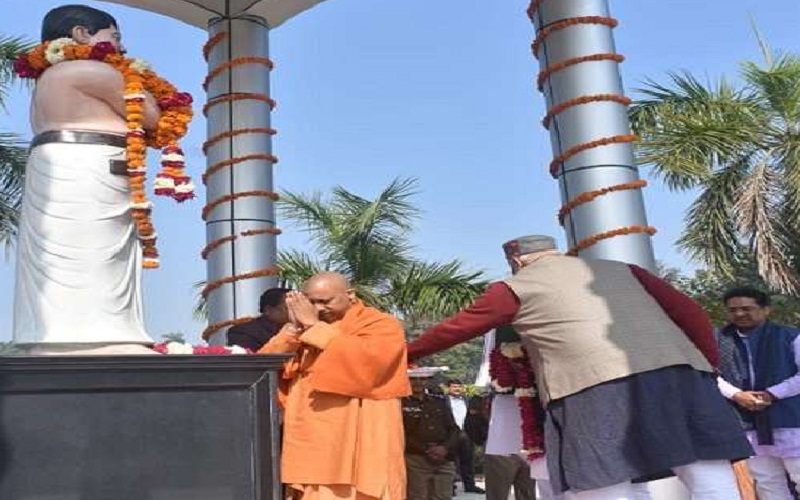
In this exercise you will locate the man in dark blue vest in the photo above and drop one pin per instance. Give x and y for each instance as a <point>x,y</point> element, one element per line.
<point>760,361</point>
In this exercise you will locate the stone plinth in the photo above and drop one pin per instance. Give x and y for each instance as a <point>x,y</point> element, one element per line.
<point>139,428</point>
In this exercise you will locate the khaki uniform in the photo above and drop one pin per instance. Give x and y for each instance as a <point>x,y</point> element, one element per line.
<point>428,422</point>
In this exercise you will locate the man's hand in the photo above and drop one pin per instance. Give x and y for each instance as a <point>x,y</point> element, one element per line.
<point>765,396</point>
<point>437,452</point>
<point>291,329</point>
<point>302,312</point>
<point>751,400</point>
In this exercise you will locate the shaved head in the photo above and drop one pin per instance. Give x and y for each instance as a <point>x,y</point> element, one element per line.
<point>331,294</point>
<point>327,279</point>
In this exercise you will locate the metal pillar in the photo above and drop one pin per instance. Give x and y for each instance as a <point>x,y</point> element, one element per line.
<point>239,215</point>
<point>589,128</point>
<point>579,74</point>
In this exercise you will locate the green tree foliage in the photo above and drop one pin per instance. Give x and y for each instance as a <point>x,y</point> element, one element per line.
<point>174,337</point>
<point>12,150</point>
<point>367,240</point>
<point>739,145</point>
<point>708,287</point>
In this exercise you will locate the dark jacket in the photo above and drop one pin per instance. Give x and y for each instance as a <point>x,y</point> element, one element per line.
<point>428,421</point>
<point>772,346</point>
<point>252,334</point>
<point>476,425</point>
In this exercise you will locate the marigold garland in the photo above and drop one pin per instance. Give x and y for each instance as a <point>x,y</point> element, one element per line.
<point>272,195</point>
<point>270,271</point>
<point>214,327</point>
<point>210,287</point>
<point>558,161</point>
<point>574,150</point>
<point>233,133</point>
<point>255,232</point>
<point>239,61</point>
<point>533,7</point>
<point>588,196</point>
<point>559,108</point>
<point>227,239</point>
<point>235,160</point>
<point>566,23</point>
<point>212,42</point>
<point>175,115</point>
<point>594,239</point>
<point>553,68</point>
<point>238,96</point>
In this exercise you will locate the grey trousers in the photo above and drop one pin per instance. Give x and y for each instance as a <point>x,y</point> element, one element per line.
<point>503,472</point>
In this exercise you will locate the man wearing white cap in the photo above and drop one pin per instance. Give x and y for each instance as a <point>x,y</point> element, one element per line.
<point>624,367</point>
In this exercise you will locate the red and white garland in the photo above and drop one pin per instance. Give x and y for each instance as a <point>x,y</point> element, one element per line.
<point>197,350</point>
<point>510,371</point>
<point>175,113</point>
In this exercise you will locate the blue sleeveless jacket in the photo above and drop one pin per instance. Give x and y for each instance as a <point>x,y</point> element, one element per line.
<point>772,348</point>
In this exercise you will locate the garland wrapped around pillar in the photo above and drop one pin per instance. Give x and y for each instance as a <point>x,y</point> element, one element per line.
<point>239,213</point>
<point>603,210</point>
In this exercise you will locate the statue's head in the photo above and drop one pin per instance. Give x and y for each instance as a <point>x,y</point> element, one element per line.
<point>85,25</point>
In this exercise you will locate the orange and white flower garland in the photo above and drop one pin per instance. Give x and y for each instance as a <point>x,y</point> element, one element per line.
<point>175,114</point>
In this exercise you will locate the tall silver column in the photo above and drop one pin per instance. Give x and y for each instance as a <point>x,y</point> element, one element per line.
<point>589,131</point>
<point>239,214</point>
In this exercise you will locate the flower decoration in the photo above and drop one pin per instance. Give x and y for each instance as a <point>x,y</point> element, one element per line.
<point>100,50</point>
<point>24,69</point>
<point>176,113</point>
<point>139,65</point>
<point>54,52</point>
<point>512,350</point>
<point>510,372</point>
<point>201,350</point>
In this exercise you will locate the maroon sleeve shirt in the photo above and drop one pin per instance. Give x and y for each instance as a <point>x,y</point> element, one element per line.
<point>496,307</point>
<point>683,311</point>
<point>499,305</point>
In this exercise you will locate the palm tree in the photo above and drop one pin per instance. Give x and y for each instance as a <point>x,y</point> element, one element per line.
<point>367,241</point>
<point>739,144</point>
<point>178,337</point>
<point>12,151</point>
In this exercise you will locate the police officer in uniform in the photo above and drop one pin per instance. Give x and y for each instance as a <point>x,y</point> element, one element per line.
<point>431,440</point>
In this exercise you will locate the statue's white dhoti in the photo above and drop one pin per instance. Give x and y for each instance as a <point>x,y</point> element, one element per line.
<point>78,275</point>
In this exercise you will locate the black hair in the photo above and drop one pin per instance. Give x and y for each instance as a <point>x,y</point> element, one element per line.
<point>761,298</point>
<point>272,298</point>
<point>59,22</point>
<point>454,381</point>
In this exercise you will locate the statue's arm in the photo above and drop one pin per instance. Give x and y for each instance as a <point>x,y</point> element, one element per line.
<point>102,82</point>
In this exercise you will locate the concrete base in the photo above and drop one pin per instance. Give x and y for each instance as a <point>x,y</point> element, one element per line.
<point>139,428</point>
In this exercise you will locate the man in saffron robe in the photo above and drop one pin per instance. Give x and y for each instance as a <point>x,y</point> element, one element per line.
<point>343,426</point>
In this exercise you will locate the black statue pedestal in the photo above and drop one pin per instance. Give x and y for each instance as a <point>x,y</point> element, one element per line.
<point>139,428</point>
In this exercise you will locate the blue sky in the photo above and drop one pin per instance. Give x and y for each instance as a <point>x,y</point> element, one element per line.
<point>369,90</point>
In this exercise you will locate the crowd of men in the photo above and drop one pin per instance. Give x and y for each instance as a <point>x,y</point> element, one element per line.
<point>631,377</point>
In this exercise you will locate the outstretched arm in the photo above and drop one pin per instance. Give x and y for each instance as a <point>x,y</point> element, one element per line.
<point>496,307</point>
